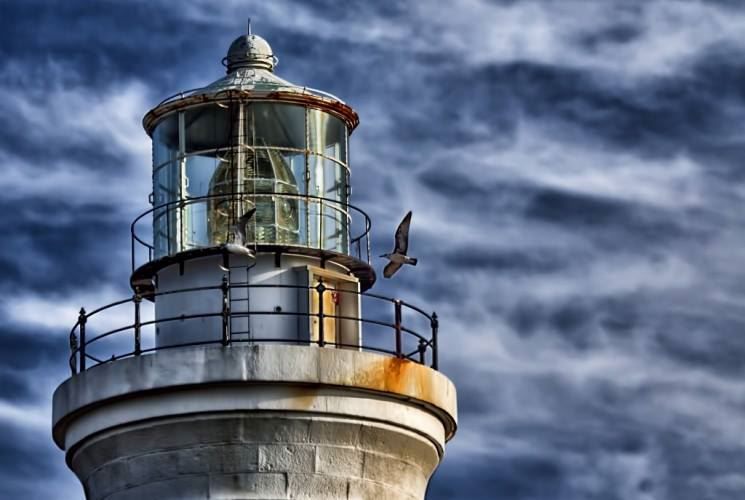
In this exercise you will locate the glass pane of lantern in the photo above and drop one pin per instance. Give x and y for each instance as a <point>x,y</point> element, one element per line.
<point>297,163</point>
<point>334,180</point>
<point>200,174</point>
<point>327,135</point>
<point>210,127</point>
<point>160,232</point>
<point>195,225</point>
<point>277,125</point>
<point>333,227</point>
<point>200,171</point>
<point>316,170</point>
<point>270,181</point>
<point>328,225</point>
<point>166,191</point>
<point>165,141</point>
<point>302,216</point>
<point>314,223</point>
<point>221,201</point>
<point>280,179</point>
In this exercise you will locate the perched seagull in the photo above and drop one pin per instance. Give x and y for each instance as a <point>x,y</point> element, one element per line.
<point>238,245</point>
<point>398,257</point>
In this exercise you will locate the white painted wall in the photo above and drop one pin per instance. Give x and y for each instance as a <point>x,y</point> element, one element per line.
<point>207,271</point>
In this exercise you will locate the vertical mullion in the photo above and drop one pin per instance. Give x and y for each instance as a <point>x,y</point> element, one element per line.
<point>348,192</point>
<point>239,167</point>
<point>181,181</point>
<point>307,177</point>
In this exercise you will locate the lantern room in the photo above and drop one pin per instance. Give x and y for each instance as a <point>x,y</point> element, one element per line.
<point>251,140</point>
<point>213,162</point>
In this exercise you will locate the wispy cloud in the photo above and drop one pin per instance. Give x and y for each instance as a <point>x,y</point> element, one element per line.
<point>575,174</point>
<point>101,129</point>
<point>637,39</point>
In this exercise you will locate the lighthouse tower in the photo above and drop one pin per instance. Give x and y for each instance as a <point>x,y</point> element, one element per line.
<point>251,361</point>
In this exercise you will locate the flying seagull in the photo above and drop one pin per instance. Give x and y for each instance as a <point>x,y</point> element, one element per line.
<point>398,257</point>
<point>238,245</point>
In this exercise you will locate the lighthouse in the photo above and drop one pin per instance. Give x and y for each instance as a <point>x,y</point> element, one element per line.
<point>252,359</point>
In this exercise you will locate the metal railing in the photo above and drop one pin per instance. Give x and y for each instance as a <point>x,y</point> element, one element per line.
<point>401,341</point>
<point>359,244</point>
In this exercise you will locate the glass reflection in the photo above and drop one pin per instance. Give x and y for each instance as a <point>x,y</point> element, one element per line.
<point>277,125</point>
<point>165,189</point>
<point>207,128</point>
<point>165,141</point>
<point>327,135</point>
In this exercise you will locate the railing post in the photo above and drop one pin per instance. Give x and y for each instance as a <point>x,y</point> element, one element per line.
<point>367,241</point>
<point>422,351</point>
<point>320,288</point>
<point>397,310</point>
<point>435,328</point>
<point>167,209</point>
<point>225,287</point>
<point>138,325</point>
<point>82,319</point>
<point>73,352</point>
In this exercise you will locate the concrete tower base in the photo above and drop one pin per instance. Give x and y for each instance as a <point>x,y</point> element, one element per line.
<point>258,421</point>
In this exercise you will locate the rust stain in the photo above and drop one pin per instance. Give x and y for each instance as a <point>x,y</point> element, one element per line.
<point>399,376</point>
<point>337,108</point>
<point>303,398</point>
<point>393,375</point>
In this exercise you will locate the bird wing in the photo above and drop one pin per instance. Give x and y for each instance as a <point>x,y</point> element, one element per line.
<point>239,229</point>
<point>402,235</point>
<point>390,269</point>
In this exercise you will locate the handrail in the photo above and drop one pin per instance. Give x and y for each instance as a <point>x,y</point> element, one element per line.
<point>245,148</point>
<point>79,344</point>
<point>337,205</point>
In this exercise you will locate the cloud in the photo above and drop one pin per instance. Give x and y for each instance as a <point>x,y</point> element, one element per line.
<point>25,417</point>
<point>575,174</point>
<point>61,311</point>
<point>574,34</point>
<point>62,140</point>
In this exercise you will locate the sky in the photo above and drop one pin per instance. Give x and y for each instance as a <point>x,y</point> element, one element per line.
<point>575,170</point>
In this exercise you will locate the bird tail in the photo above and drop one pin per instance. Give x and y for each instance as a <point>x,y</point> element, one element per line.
<point>413,261</point>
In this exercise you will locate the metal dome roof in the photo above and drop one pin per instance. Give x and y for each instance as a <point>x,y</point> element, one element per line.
<point>250,51</point>
<point>250,66</point>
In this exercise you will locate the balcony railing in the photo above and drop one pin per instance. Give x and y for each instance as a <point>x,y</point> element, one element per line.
<point>408,332</point>
<point>316,209</point>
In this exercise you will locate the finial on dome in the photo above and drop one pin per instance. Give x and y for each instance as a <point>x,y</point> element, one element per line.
<point>250,51</point>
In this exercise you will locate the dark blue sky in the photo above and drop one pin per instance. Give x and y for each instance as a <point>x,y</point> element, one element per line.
<point>576,174</point>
